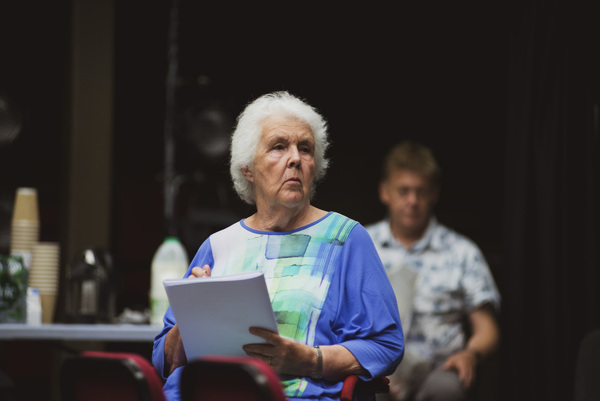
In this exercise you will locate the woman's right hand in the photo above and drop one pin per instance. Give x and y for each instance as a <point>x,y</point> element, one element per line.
<point>174,352</point>
<point>200,271</point>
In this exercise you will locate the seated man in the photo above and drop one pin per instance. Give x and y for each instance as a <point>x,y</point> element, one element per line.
<point>452,283</point>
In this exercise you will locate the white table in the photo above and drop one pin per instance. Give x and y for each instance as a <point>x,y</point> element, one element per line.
<point>79,332</point>
<point>65,340</point>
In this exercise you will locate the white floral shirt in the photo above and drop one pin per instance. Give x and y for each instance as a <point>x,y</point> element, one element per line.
<point>452,279</point>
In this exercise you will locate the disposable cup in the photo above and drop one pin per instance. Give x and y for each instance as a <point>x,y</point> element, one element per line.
<point>48,307</point>
<point>24,232</point>
<point>25,225</point>
<point>44,287</point>
<point>46,290</point>
<point>17,234</point>
<point>42,260</point>
<point>45,255</point>
<point>43,276</point>
<point>26,205</point>
<point>43,280</point>
<point>44,271</point>
<point>34,279</point>
<point>29,240</point>
<point>38,278</point>
<point>47,247</point>
<point>22,245</point>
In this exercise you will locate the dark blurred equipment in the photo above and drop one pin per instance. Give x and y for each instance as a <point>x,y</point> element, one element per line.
<point>587,369</point>
<point>10,120</point>
<point>195,114</point>
<point>6,208</point>
<point>7,388</point>
<point>90,287</point>
<point>170,176</point>
<point>115,376</point>
<point>10,126</point>
<point>208,128</point>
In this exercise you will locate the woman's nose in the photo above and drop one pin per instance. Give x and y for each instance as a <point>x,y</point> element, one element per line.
<point>294,157</point>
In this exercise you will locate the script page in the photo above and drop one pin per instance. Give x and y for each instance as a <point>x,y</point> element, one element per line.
<point>215,313</point>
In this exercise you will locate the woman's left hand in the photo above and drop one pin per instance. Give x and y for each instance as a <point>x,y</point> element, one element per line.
<point>284,355</point>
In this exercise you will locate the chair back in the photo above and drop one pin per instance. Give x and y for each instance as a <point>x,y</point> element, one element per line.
<point>230,378</point>
<point>354,387</point>
<point>113,376</point>
<point>587,369</point>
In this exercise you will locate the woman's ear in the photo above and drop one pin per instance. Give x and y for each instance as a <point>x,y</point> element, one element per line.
<point>247,173</point>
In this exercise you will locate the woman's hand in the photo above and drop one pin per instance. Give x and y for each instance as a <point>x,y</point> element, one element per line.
<point>174,352</point>
<point>291,357</point>
<point>200,272</point>
<point>284,355</point>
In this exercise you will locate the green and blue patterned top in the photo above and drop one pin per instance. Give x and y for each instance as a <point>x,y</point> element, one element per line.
<point>327,286</point>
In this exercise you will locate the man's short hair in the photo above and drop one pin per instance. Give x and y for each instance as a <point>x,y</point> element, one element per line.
<point>413,156</point>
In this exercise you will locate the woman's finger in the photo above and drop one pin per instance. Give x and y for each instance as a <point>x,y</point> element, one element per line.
<point>200,271</point>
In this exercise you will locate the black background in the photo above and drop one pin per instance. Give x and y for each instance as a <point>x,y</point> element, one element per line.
<point>439,73</point>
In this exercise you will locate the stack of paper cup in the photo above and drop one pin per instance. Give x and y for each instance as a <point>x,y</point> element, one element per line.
<point>25,230</point>
<point>43,275</point>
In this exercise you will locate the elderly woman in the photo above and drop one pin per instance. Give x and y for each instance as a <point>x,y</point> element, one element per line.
<point>336,311</point>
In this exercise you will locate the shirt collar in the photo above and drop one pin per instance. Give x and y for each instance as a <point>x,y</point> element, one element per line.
<point>430,239</point>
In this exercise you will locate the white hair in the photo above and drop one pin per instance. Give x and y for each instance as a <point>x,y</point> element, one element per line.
<point>247,134</point>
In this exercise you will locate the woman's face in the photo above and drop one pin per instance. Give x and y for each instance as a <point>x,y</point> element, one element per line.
<point>284,163</point>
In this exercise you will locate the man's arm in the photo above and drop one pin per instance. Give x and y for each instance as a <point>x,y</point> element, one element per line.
<point>483,341</point>
<point>485,332</point>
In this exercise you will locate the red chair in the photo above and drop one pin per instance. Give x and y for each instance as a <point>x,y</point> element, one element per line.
<point>353,386</point>
<point>113,376</point>
<point>212,378</point>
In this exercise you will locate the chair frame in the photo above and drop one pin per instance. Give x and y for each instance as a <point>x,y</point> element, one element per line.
<point>353,385</point>
<point>264,377</point>
<point>105,361</point>
<point>261,374</point>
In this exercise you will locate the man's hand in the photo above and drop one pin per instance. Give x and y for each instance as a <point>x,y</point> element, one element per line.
<point>465,363</point>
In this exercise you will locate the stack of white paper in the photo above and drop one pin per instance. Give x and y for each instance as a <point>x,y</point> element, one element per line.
<point>215,313</point>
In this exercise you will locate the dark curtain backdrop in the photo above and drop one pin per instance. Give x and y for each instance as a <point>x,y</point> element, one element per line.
<point>551,275</point>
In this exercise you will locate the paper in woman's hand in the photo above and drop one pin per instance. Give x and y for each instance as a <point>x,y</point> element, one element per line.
<point>215,313</point>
